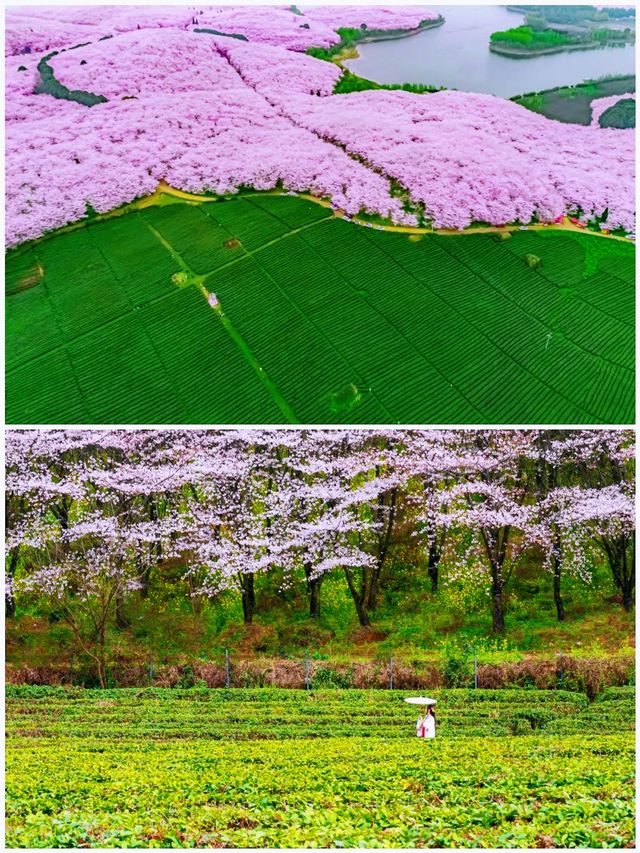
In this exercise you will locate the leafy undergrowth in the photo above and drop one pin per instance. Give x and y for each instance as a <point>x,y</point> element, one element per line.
<point>411,624</point>
<point>184,769</point>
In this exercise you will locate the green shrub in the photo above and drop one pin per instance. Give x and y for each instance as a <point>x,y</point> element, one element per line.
<point>326,676</point>
<point>187,677</point>
<point>621,115</point>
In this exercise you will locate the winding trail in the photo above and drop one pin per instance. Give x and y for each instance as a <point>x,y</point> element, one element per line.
<point>164,191</point>
<point>194,279</point>
<point>566,224</point>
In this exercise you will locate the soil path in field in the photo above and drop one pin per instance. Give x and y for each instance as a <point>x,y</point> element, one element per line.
<point>565,225</point>
<point>192,278</point>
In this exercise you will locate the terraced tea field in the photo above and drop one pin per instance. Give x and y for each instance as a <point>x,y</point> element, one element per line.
<point>270,768</point>
<point>319,321</point>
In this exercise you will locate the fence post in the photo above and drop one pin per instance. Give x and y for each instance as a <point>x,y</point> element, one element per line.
<point>475,668</point>
<point>391,674</point>
<point>306,672</point>
<point>226,668</point>
<point>151,668</point>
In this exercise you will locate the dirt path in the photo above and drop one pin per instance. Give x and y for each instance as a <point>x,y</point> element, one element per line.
<point>565,225</point>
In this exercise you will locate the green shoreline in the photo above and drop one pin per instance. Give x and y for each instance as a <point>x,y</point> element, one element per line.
<point>523,53</point>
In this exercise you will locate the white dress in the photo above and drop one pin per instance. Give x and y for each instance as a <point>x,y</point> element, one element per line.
<point>429,726</point>
<point>419,731</point>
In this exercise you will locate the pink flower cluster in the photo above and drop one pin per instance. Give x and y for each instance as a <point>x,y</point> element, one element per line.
<point>266,70</point>
<point>142,62</point>
<point>469,157</point>
<point>33,28</point>
<point>277,26</point>
<point>599,105</point>
<point>211,113</point>
<point>374,17</point>
<point>112,153</point>
<point>24,35</point>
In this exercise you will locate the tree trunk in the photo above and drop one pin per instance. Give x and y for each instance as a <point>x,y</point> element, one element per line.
<point>314,598</point>
<point>359,599</point>
<point>313,588</point>
<point>383,549</point>
<point>248,598</point>
<point>497,612</point>
<point>432,567</point>
<point>121,620</point>
<point>145,564</point>
<point>102,657</point>
<point>144,572</point>
<point>557,597</point>
<point>629,575</point>
<point>622,565</point>
<point>10,602</point>
<point>363,616</point>
<point>495,543</point>
<point>557,572</point>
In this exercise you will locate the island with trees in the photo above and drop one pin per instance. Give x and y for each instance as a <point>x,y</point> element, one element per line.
<point>552,29</point>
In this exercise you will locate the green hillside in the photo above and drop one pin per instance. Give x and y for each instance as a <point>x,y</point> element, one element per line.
<point>319,321</point>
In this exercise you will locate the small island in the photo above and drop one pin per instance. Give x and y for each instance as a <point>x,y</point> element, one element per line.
<point>554,29</point>
<point>351,36</point>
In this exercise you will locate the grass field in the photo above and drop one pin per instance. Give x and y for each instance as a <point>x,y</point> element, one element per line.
<point>572,104</point>
<point>251,768</point>
<point>321,321</point>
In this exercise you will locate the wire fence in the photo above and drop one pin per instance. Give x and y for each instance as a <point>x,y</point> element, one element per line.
<point>312,670</point>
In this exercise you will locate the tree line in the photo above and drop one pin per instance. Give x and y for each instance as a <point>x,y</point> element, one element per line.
<point>92,517</point>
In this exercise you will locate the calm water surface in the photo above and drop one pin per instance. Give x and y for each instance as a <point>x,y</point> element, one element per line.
<point>457,55</point>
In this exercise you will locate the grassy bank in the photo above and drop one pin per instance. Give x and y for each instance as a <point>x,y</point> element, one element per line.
<point>572,104</point>
<point>431,638</point>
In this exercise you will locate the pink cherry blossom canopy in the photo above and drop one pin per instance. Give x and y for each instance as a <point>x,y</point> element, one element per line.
<point>214,113</point>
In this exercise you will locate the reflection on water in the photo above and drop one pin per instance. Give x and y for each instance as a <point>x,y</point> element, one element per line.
<point>457,55</point>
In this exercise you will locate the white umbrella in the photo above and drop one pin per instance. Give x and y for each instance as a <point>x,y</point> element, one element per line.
<point>421,700</point>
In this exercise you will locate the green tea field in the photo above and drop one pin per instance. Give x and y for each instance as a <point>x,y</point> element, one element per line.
<point>319,321</point>
<point>271,768</point>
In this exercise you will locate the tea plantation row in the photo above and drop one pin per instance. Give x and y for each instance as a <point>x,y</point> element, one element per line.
<point>163,768</point>
<point>276,714</point>
<point>349,324</point>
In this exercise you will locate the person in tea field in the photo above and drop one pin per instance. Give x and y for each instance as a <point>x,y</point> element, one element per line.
<point>426,724</point>
<point>429,722</point>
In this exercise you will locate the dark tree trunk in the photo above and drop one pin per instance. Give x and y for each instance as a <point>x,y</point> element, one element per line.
<point>313,588</point>
<point>432,567</point>
<point>363,616</point>
<point>142,569</point>
<point>495,543</point>
<point>248,598</point>
<point>9,600</point>
<point>145,565</point>
<point>622,565</point>
<point>383,549</point>
<point>497,612</point>
<point>557,571</point>
<point>314,598</point>
<point>557,597</point>
<point>359,597</point>
<point>121,620</point>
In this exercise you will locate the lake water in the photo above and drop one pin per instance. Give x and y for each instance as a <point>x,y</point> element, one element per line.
<point>457,55</point>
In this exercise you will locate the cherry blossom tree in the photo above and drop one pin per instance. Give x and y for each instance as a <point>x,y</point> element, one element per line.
<point>257,112</point>
<point>93,515</point>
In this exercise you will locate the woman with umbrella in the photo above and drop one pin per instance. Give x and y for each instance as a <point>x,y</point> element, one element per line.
<point>426,723</point>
